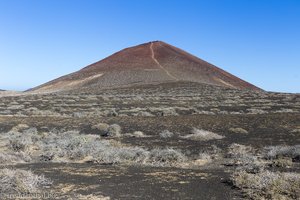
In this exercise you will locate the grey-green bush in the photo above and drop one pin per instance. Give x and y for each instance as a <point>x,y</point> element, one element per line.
<point>20,181</point>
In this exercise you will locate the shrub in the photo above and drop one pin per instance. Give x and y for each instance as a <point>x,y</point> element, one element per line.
<point>20,143</point>
<point>30,131</point>
<point>296,130</point>
<point>243,157</point>
<point>102,128</point>
<point>268,185</point>
<point>72,146</point>
<point>14,157</point>
<point>138,134</point>
<point>112,155</point>
<point>282,162</point>
<point>114,130</point>
<point>21,181</point>
<point>144,114</point>
<point>274,152</point>
<point>169,112</point>
<point>20,127</point>
<point>238,130</point>
<point>205,156</point>
<point>112,113</point>
<point>167,156</point>
<point>202,135</point>
<point>166,134</point>
<point>238,150</point>
<point>91,197</point>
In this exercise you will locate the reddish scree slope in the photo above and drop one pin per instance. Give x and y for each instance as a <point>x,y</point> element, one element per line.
<point>153,62</point>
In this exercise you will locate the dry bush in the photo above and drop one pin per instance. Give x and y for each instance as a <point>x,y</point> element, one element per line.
<point>282,162</point>
<point>202,135</point>
<point>163,111</point>
<point>296,131</point>
<point>268,185</point>
<point>274,152</point>
<point>205,156</point>
<point>138,134</point>
<point>104,129</point>
<point>143,114</point>
<point>112,113</point>
<point>71,146</point>
<point>239,150</point>
<point>90,197</point>
<point>166,134</point>
<point>244,158</point>
<point>20,181</point>
<point>169,157</point>
<point>210,153</point>
<point>114,130</point>
<point>20,128</point>
<point>20,142</point>
<point>13,157</point>
<point>113,153</point>
<point>256,111</point>
<point>238,130</point>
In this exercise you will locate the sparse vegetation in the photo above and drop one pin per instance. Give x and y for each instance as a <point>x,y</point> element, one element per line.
<point>268,185</point>
<point>114,130</point>
<point>274,152</point>
<point>166,134</point>
<point>202,135</point>
<point>71,146</point>
<point>13,157</point>
<point>20,181</point>
<point>138,134</point>
<point>282,163</point>
<point>205,156</point>
<point>101,128</point>
<point>244,158</point>
<point>296,131</point>
<point>91,197</point>
<point>168,157</point>
<point>143,113</point>
<point>238,130</point>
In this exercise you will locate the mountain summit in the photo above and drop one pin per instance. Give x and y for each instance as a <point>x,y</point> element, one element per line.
<point>153,62</point>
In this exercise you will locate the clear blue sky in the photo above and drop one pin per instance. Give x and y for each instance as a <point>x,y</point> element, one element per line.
<point>257,40</point>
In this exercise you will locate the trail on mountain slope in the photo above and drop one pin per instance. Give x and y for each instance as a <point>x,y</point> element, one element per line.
<point>156,61</point>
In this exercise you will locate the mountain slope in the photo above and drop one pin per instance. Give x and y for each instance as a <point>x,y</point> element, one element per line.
<point>153,62</point>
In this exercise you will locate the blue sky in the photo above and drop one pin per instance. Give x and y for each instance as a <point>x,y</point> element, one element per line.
<point>256,40</point>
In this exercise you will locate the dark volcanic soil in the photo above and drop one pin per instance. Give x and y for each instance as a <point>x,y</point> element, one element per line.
<point>266,118</point>
<point>135,182</point>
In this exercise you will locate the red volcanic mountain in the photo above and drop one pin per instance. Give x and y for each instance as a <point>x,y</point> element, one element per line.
<point>153,62</point>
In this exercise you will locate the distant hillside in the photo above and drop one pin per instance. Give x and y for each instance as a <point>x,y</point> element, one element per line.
<point>153,62</point>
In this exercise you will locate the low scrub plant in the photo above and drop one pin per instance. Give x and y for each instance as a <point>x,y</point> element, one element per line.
<point>268,185</point>
<point>71,146</point>
<point>105,130</point>
<point>202,135</point>
<point>244,158</point>
<point>238,130</point>
<point>274,152</point>
<point>166,134</point>
<point>21,181</point>
<point>13,157</point>
<point>167,156</point>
